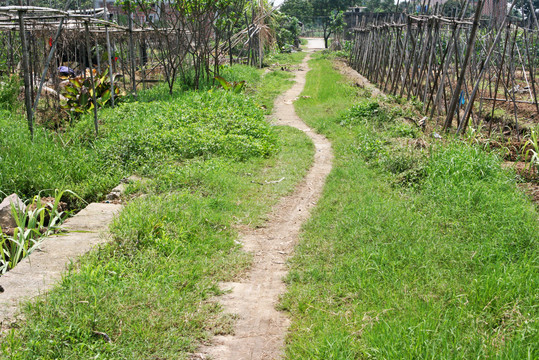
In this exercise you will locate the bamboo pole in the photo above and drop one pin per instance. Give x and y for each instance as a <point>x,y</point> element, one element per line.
<point>460,79</point>
<point>49,58</point>
<point>94,97</point>
<point>26,72</point>
<point>532,73</point>
<point>109,58</point>
<point>131,49</point>
<point>468,110</point>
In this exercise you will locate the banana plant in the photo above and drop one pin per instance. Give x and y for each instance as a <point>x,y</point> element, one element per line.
<point>33,225</point>
<point>78,93</point>
<point>531,150</point>
<point>236,86</point>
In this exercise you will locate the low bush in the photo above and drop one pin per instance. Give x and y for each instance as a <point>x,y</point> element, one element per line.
<point>135,137</point>
<point>365,111</point>
<point>9,92</point>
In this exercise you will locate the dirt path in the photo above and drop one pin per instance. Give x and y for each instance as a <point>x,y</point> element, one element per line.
<point>260,329</point>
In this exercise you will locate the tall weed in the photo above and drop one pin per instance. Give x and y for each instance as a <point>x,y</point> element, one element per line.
<point>9,92</point>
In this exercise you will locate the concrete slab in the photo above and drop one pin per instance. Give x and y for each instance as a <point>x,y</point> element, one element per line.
<point>44,267</point>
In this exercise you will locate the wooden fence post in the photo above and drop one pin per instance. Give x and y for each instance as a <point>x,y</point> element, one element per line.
<point>26,70</point>
<point>94,97</point>
<point>460,79</point>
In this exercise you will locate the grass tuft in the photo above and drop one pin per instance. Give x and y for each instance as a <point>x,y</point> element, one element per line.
<point>149,290</point>
<point>442,266</point>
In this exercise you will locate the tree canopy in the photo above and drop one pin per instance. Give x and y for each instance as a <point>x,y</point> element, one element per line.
<point>319,11</point>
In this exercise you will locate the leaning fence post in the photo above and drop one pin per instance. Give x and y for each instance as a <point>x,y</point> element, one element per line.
<point>131,49</point>
<point>460,79</point>
<point>49,58</point>
<point>109,58</point>
<point>26,67</point>
<point>94,98</point>
<point>464,123</point>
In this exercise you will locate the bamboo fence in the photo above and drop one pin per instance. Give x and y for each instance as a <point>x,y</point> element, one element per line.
<point>459,68</point>
<point>36,41</point>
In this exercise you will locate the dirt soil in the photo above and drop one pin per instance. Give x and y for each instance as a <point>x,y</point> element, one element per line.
<point>356,78</point>
<point>260,329</point>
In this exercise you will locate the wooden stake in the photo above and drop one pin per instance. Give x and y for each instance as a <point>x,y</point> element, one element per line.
<point>460,79</point>
<point>468,110</point>
<point>94,97</point>
<point>132,49</point>
<point>26,71</point>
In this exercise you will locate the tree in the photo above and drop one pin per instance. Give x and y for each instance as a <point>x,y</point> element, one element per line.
<point>307,11</point>
<point>527,12</point>
<point>453,8</point>
<point>337,25</point>
<point>301,9</point>
<point>287,32</point>
<point>379,5</point>
<point>325,9</point>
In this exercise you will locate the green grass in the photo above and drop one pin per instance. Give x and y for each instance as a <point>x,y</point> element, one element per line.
<point>27,167</point>
<point>286,59</point>
<point>150,289</point>
<point>441,267</point>
<point>158,128</point>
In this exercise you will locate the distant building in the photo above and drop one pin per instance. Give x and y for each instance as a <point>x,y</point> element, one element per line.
<point>137,15</point>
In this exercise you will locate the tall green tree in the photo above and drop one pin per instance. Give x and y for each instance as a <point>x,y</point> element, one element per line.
<point>324,11</point>
<point>301,9</point>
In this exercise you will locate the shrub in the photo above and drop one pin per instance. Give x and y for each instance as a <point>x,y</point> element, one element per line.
<point>367,110</point>
<point>9,91</point>
<point>195,124</point>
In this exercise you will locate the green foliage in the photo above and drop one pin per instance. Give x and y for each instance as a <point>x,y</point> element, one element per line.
<point>337,23</point>
<point>322,13</point>
<point>440,270</point>
<point>79,94</point>
<point>406,130</point>
<point>9,91</point>
<point>380,5</point>
<point>531,151</point>
<point>143,135</point>
<point>60,4</point>
<point>300,9</point>
<point>287,32</point>
<point>50,161</point>
<point>39,220</point>
<point>229,125</point>
<point>454,8</point>
<point>236,86</point>
<point>150,288</point>
<point>366,110</point>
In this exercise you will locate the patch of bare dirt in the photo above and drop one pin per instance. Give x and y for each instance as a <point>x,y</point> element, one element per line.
<point>357,78</point>
<point>260,329</point>
<point>532,190</point>
<point>531,187</point>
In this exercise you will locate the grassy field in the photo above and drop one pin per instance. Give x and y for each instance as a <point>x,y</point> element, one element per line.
<point>205,156</point>
<point>418,249</point>
<point>74,159</point>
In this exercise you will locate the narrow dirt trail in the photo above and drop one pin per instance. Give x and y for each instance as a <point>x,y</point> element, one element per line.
<point>260,329</point>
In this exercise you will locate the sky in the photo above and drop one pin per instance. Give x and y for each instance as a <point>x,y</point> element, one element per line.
<point>277,2</point>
